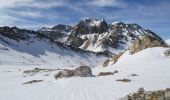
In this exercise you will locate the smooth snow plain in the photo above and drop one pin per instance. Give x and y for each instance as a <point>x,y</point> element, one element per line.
<point>151,66</point>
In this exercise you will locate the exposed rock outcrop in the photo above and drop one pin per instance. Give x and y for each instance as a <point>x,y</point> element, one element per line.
<point>141,94</point>
<point>113,60</point>
<point>146,41</point>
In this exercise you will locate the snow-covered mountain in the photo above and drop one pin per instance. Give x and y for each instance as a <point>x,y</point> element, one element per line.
<point>98,36</point>
<point>30,47</point>
<point>30,59</point>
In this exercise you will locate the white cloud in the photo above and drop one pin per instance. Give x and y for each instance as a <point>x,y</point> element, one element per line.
<point>43,4</point>
<point>46,5</point>
<point>30,3</point>
<point>7,20</point>
<point>12,3</point>
<point>108,3</point>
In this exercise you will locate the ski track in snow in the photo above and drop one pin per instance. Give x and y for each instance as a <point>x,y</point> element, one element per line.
<point>150,64</point>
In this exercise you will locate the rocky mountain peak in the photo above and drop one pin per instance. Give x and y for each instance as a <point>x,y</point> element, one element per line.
<point>90,26</point>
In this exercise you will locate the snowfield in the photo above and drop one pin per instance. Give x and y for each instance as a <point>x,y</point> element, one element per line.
<point>168,41</point>
<point>151,66</point>
<point>42,52</point>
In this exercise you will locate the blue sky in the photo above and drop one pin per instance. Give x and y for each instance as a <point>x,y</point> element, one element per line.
<point>33,14</point>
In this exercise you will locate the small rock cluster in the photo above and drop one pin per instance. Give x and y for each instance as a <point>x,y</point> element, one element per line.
<point>82,71</point>
<point>33,81</point>
<point>124,80</point>
<point>107,73</point>
<point>141,94</point>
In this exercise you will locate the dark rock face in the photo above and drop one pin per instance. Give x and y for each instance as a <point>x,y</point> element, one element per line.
<point>82,71</point>
<point>75,41</point>
<point>14,33</point>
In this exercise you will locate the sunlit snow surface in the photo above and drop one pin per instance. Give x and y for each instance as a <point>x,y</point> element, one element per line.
<point>168,41</point>
<point>151,65</point>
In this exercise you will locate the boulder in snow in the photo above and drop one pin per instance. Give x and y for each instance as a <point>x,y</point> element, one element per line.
<point>82,71</point>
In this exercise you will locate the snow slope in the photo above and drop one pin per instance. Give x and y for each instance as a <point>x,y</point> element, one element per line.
<point>150,64</point>
<point>41,52</point>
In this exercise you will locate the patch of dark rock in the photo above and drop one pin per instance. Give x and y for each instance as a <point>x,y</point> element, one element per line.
<point>82,71</point>
<point>106,63</point>
<point>133,75</point>
<point>33,81</point>
<point>107,73</point>
<point>115,71</point>
<point>124,80</point>
<point>46,75</point>
<point>37,70</point>
<point>141,94</point>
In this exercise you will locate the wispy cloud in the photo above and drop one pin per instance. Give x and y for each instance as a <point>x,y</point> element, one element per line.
<point>43,4</point>
<point>30,14</point>
<point>12,3</point>
<point>108,3</point>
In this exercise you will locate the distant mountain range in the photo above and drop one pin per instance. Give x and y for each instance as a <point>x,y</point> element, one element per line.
<point>91,36</point>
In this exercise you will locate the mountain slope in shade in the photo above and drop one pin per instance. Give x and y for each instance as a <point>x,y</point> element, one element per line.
<point>58,33</point>
<point>152,70</point>
<point>28,47</point>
